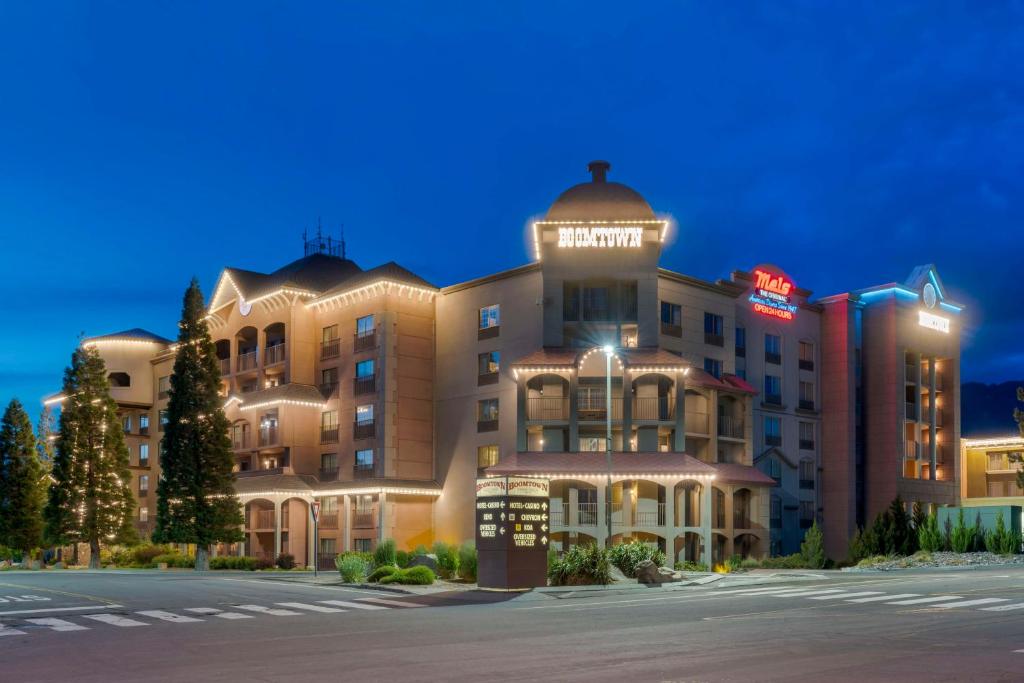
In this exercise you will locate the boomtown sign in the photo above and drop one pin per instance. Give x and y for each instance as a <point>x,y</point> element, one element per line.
<point>600,237</point>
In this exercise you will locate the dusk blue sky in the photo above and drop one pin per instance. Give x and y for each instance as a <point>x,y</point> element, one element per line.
<point>141,145</point>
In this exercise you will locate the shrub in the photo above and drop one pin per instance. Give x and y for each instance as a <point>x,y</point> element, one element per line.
<point>581,565</point>
<point>381,573</point>
<point>231,562</point>
<point>264,563</point>
<point>929,538</point>
<point>467,561</point>
<point>812,550</point>
<point>873,560</point>
<point>175,561</point>
<point>384,555</point>
<point>1002,541</point>
<point>691,566</point>
<point>962,536</point>
<point>352,567</point>
<point>750,563</point>
<point>402,558</point>
<point>411,576</point>
<point>285,561</point>
<point>901,540</point>
<point>794,561</point>
<point>143,555</point>
<point>626,556</point>
<point>447,560</point>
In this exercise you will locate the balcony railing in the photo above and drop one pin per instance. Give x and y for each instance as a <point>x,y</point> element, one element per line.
<point>912,450</point>
<point>807,483</point>
<point>328,474</point>
<point>773,399</point>
<point>591,407</point>
<point>225,365</point>
<point>730,427</point>
<point>650,518</point>
<point>328,520</point>
<point>660,408</point>
<point>671,330</point>
<point>364,430</point>
<point>365,341</point>
<point>807,444</point>
<point>547,408</point>
<point>806,404</point>
<point>587,514</point>
<point>362,470</point>
<point>696,423</point>
<point>364,385</point>
<point>772,440</point>
<point>772,357</point>
<point>911,411</point>
<point>274,354</point>
<point>560,515</point>
<point>911,373</point>
<point>712,339</point>
<point>268,436</point>
<point>264,519</point>
<point>240,442</point>
<point>144,430</point>
<point>330,348</point>
<point>329,434</point>
<point>327,389</point>
<point>364,519</point>
<point>806,364</point>
<point>246,361</point>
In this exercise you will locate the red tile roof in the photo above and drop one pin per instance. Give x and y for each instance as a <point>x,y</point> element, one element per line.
<point>741,474</point>
<point>654,463</point>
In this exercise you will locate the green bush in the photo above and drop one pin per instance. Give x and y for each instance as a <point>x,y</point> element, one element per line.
<point>385,555</point>
<point>231,562</point>
<point>143,555</point>
<point>447,560</point>
<point>929,538</point>
<point>175,561</point>
<point>467,561</point>
<point>381,573</point>
<point>812,550</point>
<point>962,537</point>
<point>581,565</point>
<point>264,563</point>
<point>1002,541</point>
<point>411,576</point>
<point>402,558</point>
<point>691,566</point>
<point>285,561</point>
<point>352,567</point>
<point>733,563</point>
<point>626,556</point>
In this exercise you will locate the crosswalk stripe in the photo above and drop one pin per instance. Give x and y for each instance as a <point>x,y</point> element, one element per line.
<point>887,597</point>
<point>839,596</point>
<point>168,616</point>
<point>220,614</point>
<point>1000,608</point>
<point>800,594</point>
<point>353,605</point>
<point>749,591</point>
<point>268,610</point>
<point>391,603</point>
<point>57,624</point>
<point>114,620</point>
<point>8,631</point>
<point>971,603</point>
<point>921,601</point>
<point>311,608</point>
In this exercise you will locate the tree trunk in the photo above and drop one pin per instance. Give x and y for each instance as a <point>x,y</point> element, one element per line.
<point>94,554</point>
<point>202,558</point>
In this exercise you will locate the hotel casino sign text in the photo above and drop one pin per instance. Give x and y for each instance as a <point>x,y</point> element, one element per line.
<point>512,531</point>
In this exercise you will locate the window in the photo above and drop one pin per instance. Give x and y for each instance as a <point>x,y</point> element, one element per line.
<point>807,436</point>
<point>714,329</point>
<point>773,349</point>
<point>119,379</point>
<point>486,456</point>
<point>143,455</point>
<point>328,379</point>
<point>144,424</point>
<point>776,512</point>
<point>487,367</point>
<point>487,415</point>
<point>741,342</point>
<point>329,505</point>
<point>362,545</point>
<point>126,423</point>
<point>671,319</point>
<point>364,414</point>
<point>364,368</point>
<point>364,460</point>
<point>807,473</point>
<point>164,386</point>
<point>713,366</point>
<point>328,462</point>
<point>490,316</point>
<point>328,546</point>
<point>364,326</point>
<point>143,484</point>
<point>329,426</point>
<point>773,389</point>
<point>570,301</point>
<point>593,444</point>
<point>329,334</point>
<point>143,514</point>
<point>772,431</point>
<point>163,419</point>
<point>806,355</point>
<point>773,468</point>
<point>806,395</point>
<point>806,514</point>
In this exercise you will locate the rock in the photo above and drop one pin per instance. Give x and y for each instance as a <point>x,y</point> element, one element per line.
<point>650,573</point>
<point>616,575</point>
<point>429,561</point>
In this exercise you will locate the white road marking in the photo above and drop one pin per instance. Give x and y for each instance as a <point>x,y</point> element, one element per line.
<point>971,603</point>
<point>8,631</point>
<point>311,608</point>
<point>801,594</point>
<point>59,609</point>
<point>114,620</point>
<point>1004,608</point>
<point>268,610</point>
<point>839,596</point>
<point>759,590</point>
<point>887,597</point>
<point>921,601</point>
<point>272,583</point>
<point>353,605</point>
<point>168,616</point>
<point>391,603</point>
<point>220,614</point>
<point>58,624</point>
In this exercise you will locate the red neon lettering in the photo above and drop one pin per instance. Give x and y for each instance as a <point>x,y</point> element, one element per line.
<point>773,312</point>
<point>773,283</point>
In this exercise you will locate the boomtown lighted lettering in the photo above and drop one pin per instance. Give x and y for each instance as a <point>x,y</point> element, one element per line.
<point>583,237</point>
<point>772,295</point>
<point>932,321</point>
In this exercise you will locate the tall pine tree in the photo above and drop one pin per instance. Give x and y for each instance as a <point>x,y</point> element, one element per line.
<point>22,482</point>
<point>196,500</point>
<point>46,432</point>
<point>90,499</point>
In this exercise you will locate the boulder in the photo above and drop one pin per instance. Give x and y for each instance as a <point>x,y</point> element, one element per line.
<point>616,575</point>
<point>650,573</point>
<point>429,561</point>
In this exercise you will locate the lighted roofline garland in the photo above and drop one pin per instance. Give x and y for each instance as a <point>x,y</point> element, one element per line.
<point>280,290</point>
<point>120,340</point>
<point>383,287</point>
<point>536,239</point>
<point>342,492</point>
<point>603,476</point>
<point>280,401</point>
<point>993,441</point>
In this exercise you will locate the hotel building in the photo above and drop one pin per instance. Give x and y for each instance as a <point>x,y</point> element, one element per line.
<point>742,410</point>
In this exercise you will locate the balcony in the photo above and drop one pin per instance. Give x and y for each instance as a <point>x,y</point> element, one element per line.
<point>911,409</point>
<point>329,434</point>
<point>364,385</point>
<point>328,389</point>
<point>225,365</point>
<point>773,440</point>
<point>772,357</point>
<point>487,378</point>
<point>714,339</point>
<point>649,518</point>
<point>586,515</point>
<point>807,444</point>
<point>268,437</point>
<point>912,450</point>
<point>264,519</point>
<point>365,341</point>
<point>806,404</point>
<point>364,430</point>
<point>807,483</point>
<point>671,330</point>
<point>547,408</point>
<point>773,399</point>
<point>560,515</point>
<point>144,430</point>
<point>274,354</point>
<point>661,408</point>
<point>593,408</point>
<point>330,348</point>
<point>741,351</point>
<point>328,520</point>
<point>363,470</point>
<point>730,427</point>
<point>696,423</point>
<point>911,373</point>
<point>328,474</point>
<point>806,364</point>
<point>246,361</point>
<point>486,425</point>
<point>364,518</point>
<point>240,442</point>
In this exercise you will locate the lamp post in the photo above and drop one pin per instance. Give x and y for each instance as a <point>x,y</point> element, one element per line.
<point>608,351</point>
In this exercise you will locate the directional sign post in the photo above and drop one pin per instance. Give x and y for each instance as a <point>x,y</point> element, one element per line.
<point>314,509</point>
<point>512,532</point>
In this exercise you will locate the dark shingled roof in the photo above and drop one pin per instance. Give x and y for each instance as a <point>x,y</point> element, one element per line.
<point>594,463</point>
<point>134,333</point>
<point>284,392</point>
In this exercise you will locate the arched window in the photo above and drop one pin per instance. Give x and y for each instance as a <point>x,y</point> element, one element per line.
<point>119,379</point>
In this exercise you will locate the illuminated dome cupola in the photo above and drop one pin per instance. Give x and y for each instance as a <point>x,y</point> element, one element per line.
<point>600,200</point>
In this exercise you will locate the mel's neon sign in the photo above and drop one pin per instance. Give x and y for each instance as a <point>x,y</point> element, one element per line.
<point>772,295</point>
<point>600,237</point>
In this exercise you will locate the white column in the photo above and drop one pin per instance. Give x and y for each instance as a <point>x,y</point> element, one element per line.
<point>602,510</point>
<point>346,529</point>
<point>573,516</point>
<point>381,515</point>
<point>277,529</point>
<point>670,521</point>
<point>705,520</point>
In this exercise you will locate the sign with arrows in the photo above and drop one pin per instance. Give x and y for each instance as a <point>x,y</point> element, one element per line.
<point>512,532</point>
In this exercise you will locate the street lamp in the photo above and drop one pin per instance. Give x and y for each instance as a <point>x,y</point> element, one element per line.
<point>609,351</point>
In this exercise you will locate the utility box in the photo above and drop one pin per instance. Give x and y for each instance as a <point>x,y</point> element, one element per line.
<point>512,532</point>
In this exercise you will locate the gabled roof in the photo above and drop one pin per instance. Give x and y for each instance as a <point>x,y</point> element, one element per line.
<point>296,393</point>
<point>651,463</point>
<point>134,334</point>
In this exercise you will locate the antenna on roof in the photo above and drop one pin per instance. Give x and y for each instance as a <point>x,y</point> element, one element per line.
<point>320,245</point>
<point>342,228</point>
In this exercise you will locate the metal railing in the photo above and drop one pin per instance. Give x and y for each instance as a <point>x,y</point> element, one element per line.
<point>712,339</point>
<point>547,408</point>
<point>560,515</point>
<point>274,354</point>
<point>661,408</point>
<point>268,436</point>
<point>364,430</point>
<point>363,470</point>
<point>239,443</point>
<point>730,427</point>
<point>807,444</point>
<point>364,519</point>
<point>806,404</point>
<point>365,341</point>
<point>696,423</point>
<point>327,389</point>
<point>246,361</point>
<point>805,364</point>
<point>649,518</point>
<point>911,411</point>
<point>328,520</point>
<point>911,372</point>
<point>594,407</point>
<point>773,399</point>
<point>771,357</point>
<point>264,519</point>
<point>330,348</point>
<point>912,449</point>
<point>364,385</point>
<point>587,514</point>
<point>671,330</point>
<point>225,365</point>
<point>329,434</point>
<point>328,474</point>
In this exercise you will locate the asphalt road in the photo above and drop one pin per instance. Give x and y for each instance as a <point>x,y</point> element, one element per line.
<point>111,626</point>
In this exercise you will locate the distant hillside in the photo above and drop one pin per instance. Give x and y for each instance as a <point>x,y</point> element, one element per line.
<point>987,409</point>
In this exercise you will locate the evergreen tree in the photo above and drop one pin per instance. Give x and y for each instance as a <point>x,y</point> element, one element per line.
<point>919,516</point>
<point>900,537</point>
<point>812,550</point>
<point>1018,416</point>
<point>46,433</point>
<point>22,482</point>
<point>196,500</point>
<point>90,498</point>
